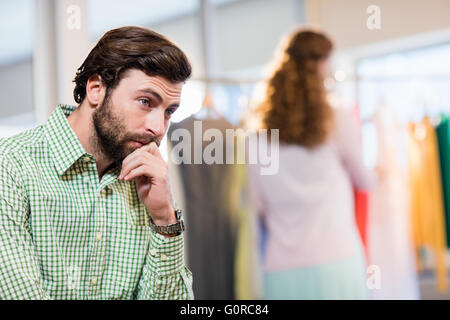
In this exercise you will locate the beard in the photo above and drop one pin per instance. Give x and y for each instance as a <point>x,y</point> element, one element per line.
<point>110,134</point>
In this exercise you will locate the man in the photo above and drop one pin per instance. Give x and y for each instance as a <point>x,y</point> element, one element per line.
<point>85,203</point>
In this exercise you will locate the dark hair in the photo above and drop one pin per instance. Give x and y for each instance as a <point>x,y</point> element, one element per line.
<point>131,48</point>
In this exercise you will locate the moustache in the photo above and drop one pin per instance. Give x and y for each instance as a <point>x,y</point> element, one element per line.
<point>147,140</point>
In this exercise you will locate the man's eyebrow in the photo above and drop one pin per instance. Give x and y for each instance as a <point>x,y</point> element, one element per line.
<point>157,96</point>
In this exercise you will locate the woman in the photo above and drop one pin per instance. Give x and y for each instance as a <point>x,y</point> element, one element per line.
<point>313,249</point>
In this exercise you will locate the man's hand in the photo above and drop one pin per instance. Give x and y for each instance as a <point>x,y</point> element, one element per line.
<point>152,181</point>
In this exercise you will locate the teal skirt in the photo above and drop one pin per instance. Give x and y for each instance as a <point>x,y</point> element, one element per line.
<point>338,280</point>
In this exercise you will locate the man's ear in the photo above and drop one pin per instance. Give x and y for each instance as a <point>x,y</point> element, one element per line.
<point>95,90</point>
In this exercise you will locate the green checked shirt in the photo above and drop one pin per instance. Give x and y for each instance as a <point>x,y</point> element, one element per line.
<point>65,235</point>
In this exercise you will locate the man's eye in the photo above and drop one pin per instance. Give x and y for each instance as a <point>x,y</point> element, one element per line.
<point>170,111</point>
<point>144,102</point>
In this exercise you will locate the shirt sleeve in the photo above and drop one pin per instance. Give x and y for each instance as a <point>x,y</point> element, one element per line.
<point>20,276</point>
<point>350,150</point>
<point>165,275</point>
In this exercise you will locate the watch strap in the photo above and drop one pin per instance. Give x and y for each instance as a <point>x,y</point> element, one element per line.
<point>172,229</point>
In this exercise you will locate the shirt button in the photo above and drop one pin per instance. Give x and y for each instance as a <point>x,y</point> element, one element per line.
<point>164,257</point>
<point>94,281</point>
<point>153,252</point>
<point>98,236</point>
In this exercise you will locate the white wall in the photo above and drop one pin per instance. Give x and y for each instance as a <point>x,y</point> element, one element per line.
<point>16,88</point>
<point>185,32</point>
<point>345,20</point>
<point>249,31</point>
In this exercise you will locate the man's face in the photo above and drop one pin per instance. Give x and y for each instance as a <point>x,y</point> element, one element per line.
<point>135,113</point>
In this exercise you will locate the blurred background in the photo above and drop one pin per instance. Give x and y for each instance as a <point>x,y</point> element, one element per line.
<point>403,65</point>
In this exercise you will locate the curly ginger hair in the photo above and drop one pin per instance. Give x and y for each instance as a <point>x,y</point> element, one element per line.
<point>295,98</point>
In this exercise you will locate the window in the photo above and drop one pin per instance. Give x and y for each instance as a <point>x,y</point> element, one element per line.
<point>412,84</point>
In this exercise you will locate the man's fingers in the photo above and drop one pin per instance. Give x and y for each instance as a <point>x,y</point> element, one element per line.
<point>135,172</point>
<point>152,147</point>
<point>142,170</point>
<point>136,160</point>
<point>149,146</point>
<point>142,150</point>
<point>148,153</point>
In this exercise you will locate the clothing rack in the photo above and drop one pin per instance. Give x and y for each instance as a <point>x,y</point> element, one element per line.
<point>435,77</point>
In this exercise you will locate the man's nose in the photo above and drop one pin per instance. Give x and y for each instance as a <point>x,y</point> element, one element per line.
<point>155,123</point>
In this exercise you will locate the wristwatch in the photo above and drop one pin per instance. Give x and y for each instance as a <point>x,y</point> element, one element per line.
<point>171,229</point>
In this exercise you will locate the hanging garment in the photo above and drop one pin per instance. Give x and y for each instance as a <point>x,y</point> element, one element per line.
<point>309,214</point>
<point>390,240</point>
<point>427,205</point>
<point>362,218</point>
<point>248,273</point>
<point>177,188</point>
<point>211,221</point>
<point>361,198</point>
<point>443,135</point>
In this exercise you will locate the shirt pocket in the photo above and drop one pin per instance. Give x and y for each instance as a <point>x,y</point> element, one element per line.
<point>60,237</point>
<point>62,211</point>
<point>128,247</point>
<point>68,221</point>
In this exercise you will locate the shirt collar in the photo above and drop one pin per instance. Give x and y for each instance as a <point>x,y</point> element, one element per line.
<point>64,144</point>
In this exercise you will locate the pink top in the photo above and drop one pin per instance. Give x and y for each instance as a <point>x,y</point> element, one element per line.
<point>308,206</point>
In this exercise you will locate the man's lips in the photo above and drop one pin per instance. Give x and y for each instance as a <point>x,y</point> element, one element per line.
<point>137,143</point>
<point>140,143</point>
